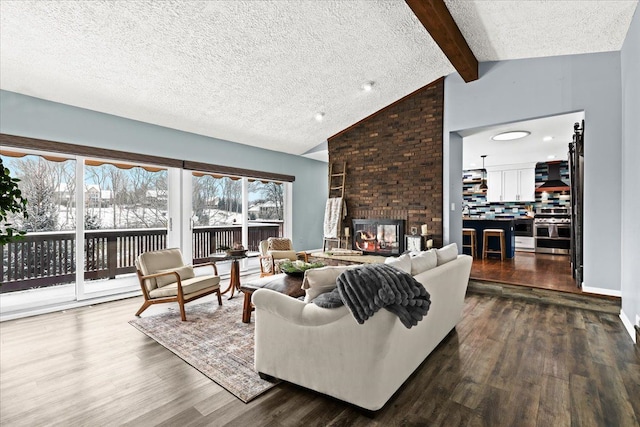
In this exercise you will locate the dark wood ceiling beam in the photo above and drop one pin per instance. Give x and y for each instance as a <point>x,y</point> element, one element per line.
<point>435,17</point>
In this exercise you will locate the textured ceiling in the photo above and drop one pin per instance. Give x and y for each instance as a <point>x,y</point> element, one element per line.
<point>257,72</point>
<point>515,29</point>
<point>254,72</point>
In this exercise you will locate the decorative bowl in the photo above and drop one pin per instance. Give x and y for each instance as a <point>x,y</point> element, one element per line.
<point>297,268</point>
<point>236,252</point>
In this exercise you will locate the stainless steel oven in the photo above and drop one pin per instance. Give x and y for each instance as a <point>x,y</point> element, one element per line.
<point>552,231</point>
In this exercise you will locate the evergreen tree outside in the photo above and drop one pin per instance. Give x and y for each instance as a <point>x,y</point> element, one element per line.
<point>12,203</point>
<point>38,186</point>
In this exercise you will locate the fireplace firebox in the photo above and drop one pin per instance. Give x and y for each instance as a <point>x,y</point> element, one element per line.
<point>378,236</point>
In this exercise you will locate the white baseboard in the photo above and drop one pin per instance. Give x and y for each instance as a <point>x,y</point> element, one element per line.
<point>628,325</point>
<point>36,311</point>
<point>602,291</point>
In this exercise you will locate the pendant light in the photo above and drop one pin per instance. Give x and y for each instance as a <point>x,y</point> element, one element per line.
<point>483,184</point>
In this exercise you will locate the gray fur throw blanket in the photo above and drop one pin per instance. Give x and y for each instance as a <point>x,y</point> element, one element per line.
<point>367,289</point>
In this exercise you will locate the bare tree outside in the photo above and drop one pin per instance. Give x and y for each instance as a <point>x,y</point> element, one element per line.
<point>216,200</point>
<point>267,200</point>
<point>125,212</point>
<point>48,186</point>
<point>118,198</point>
<point>44,185</point>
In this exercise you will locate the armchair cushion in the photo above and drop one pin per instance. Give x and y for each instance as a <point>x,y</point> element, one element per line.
<point>164,278</point>
<point>185,272</point>
<point>153,262</point>
<point>189,286</point>
<point>290,255</point>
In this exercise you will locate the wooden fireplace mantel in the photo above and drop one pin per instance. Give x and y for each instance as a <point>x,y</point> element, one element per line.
<point>345,259</point>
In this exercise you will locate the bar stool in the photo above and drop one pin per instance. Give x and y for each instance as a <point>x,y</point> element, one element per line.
<point>493,232</point>
<point>473,241</point>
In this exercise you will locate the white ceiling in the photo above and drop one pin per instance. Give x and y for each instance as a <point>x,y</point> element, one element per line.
<point>530,149</point>
<point>257,72</point>
<point>515,29</point>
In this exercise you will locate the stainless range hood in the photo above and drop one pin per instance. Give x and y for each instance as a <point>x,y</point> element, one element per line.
<point>553,182</point>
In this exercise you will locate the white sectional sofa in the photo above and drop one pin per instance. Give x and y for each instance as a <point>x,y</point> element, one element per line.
<point>328,351</point>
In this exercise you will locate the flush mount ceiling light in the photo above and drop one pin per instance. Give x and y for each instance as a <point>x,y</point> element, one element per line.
<point>319,117</point>
<point>511,135</point>
<point>367,86</point>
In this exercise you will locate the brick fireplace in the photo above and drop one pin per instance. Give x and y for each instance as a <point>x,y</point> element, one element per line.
<point>378,236</point>
<point>394,162</point>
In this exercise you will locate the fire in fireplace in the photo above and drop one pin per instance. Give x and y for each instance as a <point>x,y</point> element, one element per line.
<point>378,236</point>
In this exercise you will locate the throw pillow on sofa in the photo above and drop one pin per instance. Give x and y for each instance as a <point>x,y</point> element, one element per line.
<point>320,280</point>
<point>403,262</point>
<point>447,253</point>
<point>424,261</point>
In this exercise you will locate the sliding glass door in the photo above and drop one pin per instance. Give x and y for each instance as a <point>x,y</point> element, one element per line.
<point>40,268</point>
<point>125,214</point>
<point>228,211</point>
<point>89,218</point>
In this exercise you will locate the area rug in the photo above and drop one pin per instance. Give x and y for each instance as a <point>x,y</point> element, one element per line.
<point>214,341</point>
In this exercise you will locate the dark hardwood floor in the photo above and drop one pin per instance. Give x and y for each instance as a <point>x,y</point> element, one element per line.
<point>508,363</point>
<point>543,271</point>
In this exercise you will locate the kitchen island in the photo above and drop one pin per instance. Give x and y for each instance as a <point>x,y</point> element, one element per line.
<point>480,224</point>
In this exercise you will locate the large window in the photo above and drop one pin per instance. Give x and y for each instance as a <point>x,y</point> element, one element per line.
<point>218,218</point>
<point>266,210</point>
<point>217,200</point>
<point>216,213</point>
<point>89,218</point>
<point>119,212</point>
<point>45,256</point>
<point>124,196</point>
<point>125,214</point>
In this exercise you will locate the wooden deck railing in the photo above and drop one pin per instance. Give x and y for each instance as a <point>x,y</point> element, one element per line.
<point>48,258</point>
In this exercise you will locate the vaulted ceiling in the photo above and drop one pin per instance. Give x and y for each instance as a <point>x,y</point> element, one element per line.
<point>259,72</point>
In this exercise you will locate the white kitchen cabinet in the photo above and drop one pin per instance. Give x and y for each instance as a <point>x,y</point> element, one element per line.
<point>527,183</point>
<point>494,186</point>
<point>511,185</point>
<point>525,244</point>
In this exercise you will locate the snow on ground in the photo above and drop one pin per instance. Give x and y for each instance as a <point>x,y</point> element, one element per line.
<point>137,218</point>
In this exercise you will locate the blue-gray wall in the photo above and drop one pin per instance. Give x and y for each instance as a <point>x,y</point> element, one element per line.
<point>33,117</point>
<point>510,91</point>
<point>630,60</point>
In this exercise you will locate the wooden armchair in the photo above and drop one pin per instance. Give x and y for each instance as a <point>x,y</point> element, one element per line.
<point>164,278</point>
<point>275,251</point>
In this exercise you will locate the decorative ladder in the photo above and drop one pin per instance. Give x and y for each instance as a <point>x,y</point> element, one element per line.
<point>336,189</point>
<point>337,176</point>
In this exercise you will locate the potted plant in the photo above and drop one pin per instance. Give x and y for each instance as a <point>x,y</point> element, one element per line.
<point>11,201</point>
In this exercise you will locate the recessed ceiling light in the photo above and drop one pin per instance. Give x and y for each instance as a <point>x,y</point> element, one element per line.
<point>367,86</point>
<point>551,156</point>
<point>547,138</point>
<point>319,117</point>
<point>511,135</point>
